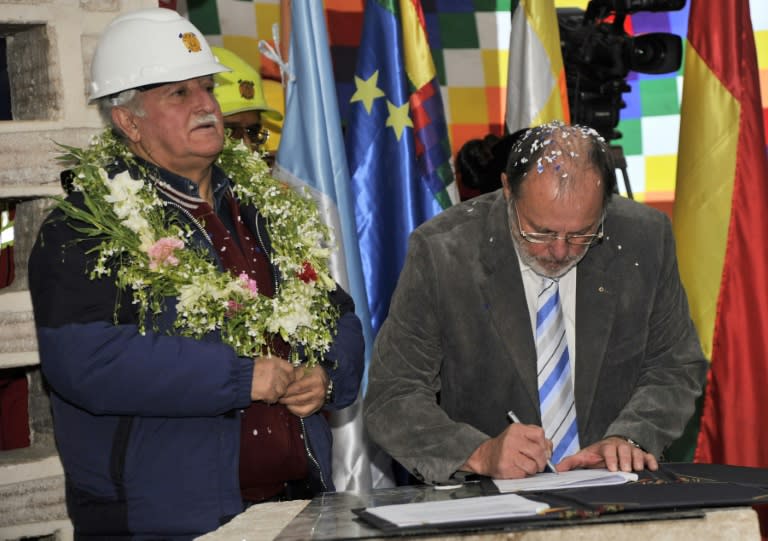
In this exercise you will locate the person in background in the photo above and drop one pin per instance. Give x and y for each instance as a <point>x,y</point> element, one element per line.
<point>478,159</point>
<point>166,325</point>
<point>241,96</point>
<point>553,302</point>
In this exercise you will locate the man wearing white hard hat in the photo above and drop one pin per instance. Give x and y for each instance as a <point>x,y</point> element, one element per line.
<point>176,289</point>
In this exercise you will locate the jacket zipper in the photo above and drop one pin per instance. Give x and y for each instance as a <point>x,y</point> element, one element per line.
<point>304,436</point>
<point>310,455</point>
<point>263,247</point>
<point>193,220</point>
<point>266,253</point>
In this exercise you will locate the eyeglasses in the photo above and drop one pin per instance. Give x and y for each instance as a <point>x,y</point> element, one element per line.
<point>257,135</point>
<point>570,238</point>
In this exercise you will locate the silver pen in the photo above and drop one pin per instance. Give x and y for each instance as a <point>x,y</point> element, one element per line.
<point>514,419</point>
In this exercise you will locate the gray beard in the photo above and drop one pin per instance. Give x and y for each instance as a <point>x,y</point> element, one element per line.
<point>521,246</point>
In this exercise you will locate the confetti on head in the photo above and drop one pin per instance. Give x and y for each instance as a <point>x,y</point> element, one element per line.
<point>562,149</point>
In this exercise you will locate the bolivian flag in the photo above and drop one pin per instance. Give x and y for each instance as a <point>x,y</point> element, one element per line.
<point>721,228</point>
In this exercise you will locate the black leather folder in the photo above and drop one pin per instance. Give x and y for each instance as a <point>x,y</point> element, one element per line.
<point>672,487</point>
<point>676,490</point>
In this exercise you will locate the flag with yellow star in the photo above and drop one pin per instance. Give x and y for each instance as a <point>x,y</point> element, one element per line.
<point>397,143</point>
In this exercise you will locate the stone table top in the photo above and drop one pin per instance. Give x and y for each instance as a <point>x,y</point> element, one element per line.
<point>330,517</point>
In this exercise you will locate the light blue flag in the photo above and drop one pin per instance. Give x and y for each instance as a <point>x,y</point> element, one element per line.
<point>311,154</point>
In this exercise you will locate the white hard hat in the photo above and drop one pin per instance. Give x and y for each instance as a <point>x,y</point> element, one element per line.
<point>149,46</point>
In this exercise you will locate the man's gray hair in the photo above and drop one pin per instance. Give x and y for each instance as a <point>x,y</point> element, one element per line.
<point>128,99</point>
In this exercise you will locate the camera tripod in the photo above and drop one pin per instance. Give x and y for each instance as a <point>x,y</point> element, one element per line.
<point>620,163</point>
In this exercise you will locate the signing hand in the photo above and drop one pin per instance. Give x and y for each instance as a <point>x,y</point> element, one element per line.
<point>271,378</point>
<point>612,453</point>
<point>519,451</point>
<point>306,394</point>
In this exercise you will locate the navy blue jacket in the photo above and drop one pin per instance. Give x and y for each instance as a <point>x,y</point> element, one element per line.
<point>148,426</point>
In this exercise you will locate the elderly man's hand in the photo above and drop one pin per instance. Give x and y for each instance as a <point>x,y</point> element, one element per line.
<point>306,394</point>
<point>613,453</point>
<point>519,451</point>
<point>271,378</point>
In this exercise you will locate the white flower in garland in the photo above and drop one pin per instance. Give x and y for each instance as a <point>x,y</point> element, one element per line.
<point>152,254</point>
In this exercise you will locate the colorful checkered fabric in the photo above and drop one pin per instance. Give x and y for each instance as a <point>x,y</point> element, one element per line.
<point>469,41</point>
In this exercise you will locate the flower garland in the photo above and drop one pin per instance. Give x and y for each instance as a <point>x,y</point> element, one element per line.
<point>150,251</point>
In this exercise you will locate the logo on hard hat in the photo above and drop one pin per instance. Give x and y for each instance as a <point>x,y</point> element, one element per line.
<point>247,89</point>
<point>190,41</point>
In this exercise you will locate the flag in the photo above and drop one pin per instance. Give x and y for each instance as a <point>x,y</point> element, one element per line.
<point>721,228</point>
<point>397,143</point>
<point>536,89</point>
<point>311,154</point>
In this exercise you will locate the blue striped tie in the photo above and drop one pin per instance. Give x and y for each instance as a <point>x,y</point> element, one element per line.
<point>558,408</point>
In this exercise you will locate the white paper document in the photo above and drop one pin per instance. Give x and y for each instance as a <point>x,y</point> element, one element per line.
<point>455,511</point>
<point>566,479</point>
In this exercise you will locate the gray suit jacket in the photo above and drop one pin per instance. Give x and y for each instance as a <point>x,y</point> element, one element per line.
<point>457,352</point>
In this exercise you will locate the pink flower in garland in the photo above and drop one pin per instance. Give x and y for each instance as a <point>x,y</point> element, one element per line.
<point>162,252</point>
<point>233,307</point>
<point>249,283</point>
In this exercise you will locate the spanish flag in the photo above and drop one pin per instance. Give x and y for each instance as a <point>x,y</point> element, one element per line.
<point>721,228</point>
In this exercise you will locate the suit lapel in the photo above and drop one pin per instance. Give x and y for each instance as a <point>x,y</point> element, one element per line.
<point>503,292</point>
<point>595,312</point>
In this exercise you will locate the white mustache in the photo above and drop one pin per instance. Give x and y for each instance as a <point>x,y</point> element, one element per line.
<point>208,118</point>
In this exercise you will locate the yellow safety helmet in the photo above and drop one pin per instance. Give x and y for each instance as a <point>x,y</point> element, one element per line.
<point>273,92</point>
<point>240,89</point>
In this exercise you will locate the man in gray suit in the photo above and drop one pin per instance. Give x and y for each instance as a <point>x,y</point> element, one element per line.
<point>605,373</point>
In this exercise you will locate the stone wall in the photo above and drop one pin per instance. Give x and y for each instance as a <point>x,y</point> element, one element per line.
<point>49,46</point>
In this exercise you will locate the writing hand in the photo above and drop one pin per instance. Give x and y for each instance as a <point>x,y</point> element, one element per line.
<point>613,453</point>
<point>306,394</point>
<point>519,451</point>
<point>271,378</point>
